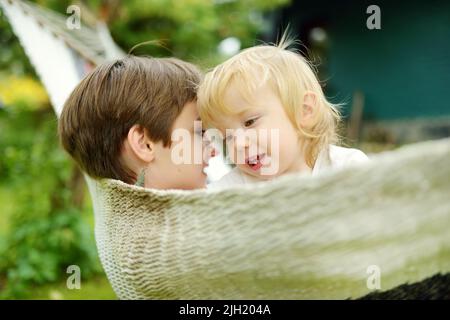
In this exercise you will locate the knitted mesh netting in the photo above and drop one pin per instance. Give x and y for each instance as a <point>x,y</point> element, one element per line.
<point>293,238</point>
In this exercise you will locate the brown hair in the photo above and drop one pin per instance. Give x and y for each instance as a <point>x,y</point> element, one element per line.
<point>96,118</point>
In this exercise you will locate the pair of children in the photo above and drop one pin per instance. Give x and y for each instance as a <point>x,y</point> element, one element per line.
<point>266,102</point>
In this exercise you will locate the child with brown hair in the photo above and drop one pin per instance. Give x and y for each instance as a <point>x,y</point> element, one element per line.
<point>118,122</point>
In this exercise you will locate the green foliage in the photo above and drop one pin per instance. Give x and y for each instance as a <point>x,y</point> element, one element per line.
<point>46,230</point>
<point>187,29</point>
<point>12,58</point>
<point>190,29</point>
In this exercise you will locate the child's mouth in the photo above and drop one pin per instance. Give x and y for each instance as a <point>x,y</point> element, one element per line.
<point>255,162</point>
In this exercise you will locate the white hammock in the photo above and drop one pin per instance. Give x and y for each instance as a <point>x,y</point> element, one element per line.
<point>298,237</point>
<point>291,238</point>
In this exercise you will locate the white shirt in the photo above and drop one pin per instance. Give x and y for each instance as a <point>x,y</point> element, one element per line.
<point>334,157</point>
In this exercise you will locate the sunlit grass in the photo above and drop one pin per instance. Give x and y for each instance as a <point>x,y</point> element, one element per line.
<point>93,289</point>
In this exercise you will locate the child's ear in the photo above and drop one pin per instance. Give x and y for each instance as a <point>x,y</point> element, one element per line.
<point>140,144</point>
<point>308,109</point>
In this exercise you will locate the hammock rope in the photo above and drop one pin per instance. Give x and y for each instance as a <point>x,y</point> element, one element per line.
<point>297,237</point>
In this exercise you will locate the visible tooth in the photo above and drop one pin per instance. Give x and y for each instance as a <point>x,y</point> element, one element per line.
<point>252,160</point>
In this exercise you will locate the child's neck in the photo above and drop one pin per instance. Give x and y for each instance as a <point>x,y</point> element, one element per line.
<point>299,166</point>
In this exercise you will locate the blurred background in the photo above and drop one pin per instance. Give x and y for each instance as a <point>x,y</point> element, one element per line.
<point>394,82</point>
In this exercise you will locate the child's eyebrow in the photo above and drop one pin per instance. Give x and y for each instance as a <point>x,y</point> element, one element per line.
<point>249,110</point>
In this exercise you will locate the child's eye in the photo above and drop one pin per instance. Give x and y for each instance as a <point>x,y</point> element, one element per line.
<point>250,122</point>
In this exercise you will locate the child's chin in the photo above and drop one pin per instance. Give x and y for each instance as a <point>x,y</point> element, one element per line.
<point>260,173</point>
<point>202,181</point>
<point>201,184</point>
<point>266,176</point>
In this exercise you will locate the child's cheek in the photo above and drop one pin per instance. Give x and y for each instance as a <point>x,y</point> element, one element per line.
<point>264,141</point>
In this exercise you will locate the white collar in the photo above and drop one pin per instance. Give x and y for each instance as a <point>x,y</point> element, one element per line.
<point>323,161</point>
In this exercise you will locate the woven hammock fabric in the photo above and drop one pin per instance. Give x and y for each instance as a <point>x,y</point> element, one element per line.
<point>298,237</point>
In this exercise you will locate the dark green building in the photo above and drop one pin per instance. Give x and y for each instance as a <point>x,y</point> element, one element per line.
<point>402,69</point>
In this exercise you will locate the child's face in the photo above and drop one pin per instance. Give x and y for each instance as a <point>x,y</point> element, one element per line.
<point>270,146</point>
<point>165,173</point>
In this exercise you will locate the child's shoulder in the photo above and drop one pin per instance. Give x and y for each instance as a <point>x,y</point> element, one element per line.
<point>340,156</point>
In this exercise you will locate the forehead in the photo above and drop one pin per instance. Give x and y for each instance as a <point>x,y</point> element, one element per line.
<point>187,116</point>
<point>240,101</point>
<point>239,98</point>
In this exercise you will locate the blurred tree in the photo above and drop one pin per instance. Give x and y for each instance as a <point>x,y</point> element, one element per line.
<point>46,231</point>
<point>190,29</point>
<point>12,57</point>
